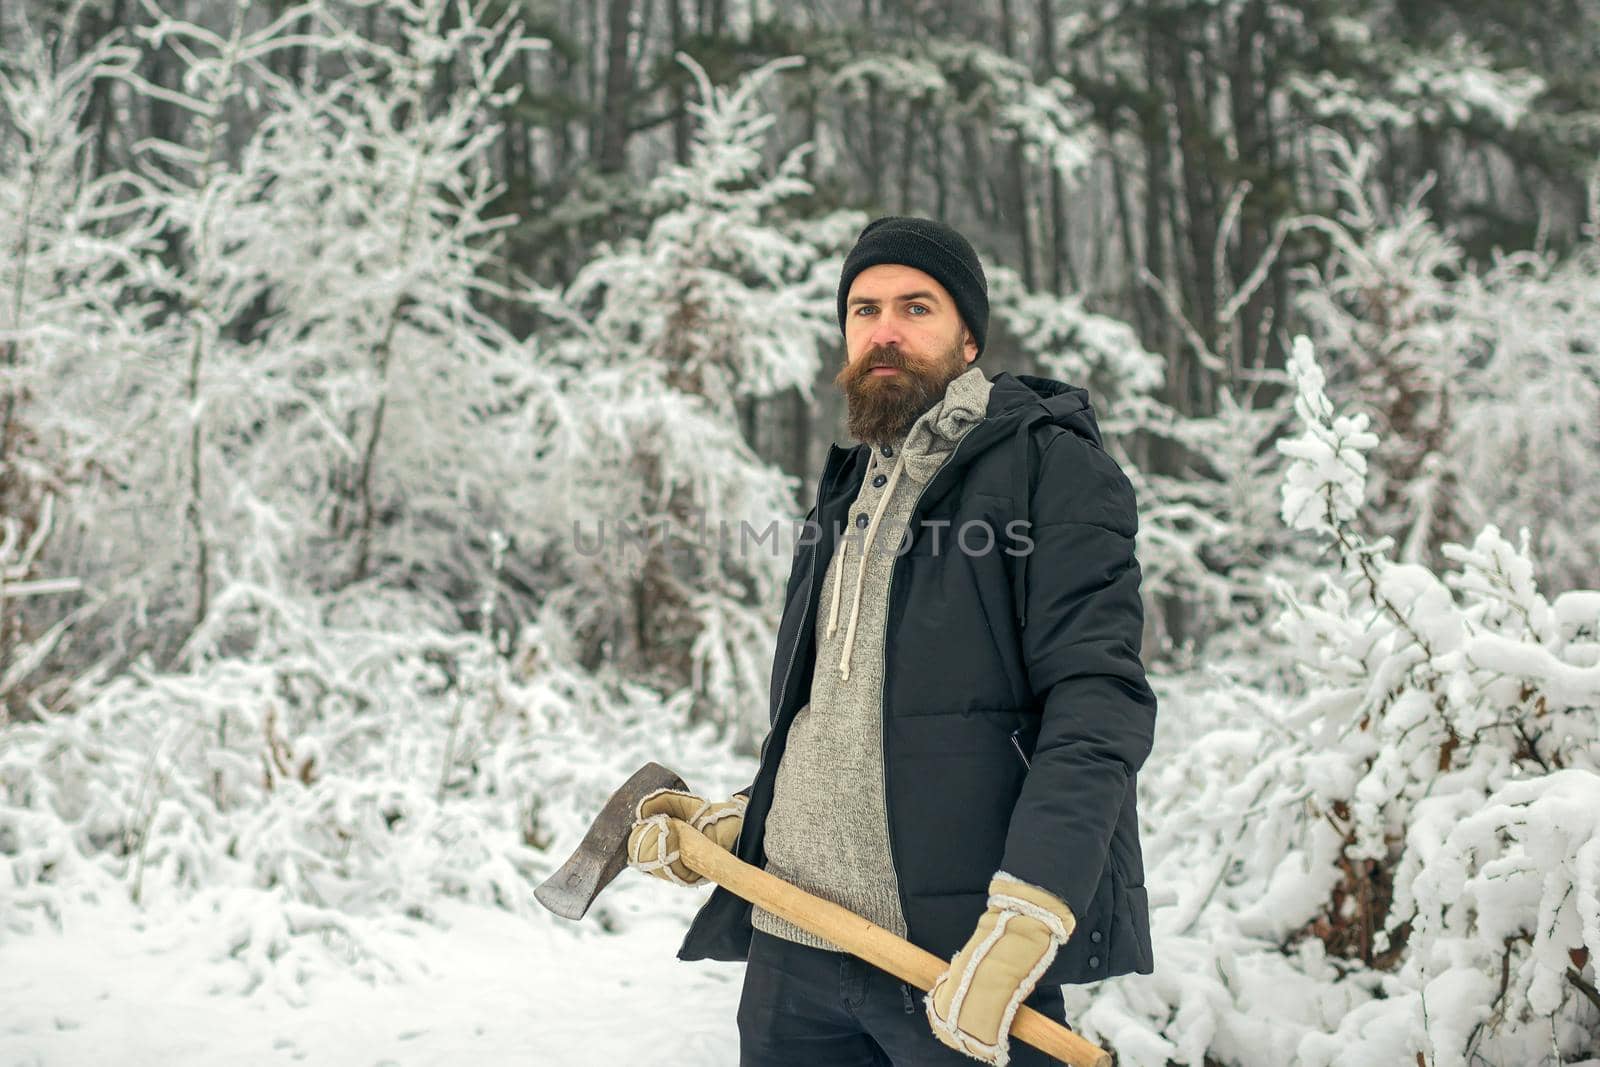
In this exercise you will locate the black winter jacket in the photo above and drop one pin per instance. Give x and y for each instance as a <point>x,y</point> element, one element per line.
<point>991,659</point>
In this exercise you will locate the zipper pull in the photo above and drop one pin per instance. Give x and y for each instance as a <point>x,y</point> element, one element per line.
<point>1017,744</point>
<point>905,991</point>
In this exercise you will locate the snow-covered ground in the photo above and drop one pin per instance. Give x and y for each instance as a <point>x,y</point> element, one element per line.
<point>119,987</point>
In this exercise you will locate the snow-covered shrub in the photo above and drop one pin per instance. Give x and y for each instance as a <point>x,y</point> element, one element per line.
<point>328,682</point>
<point>1468,708</point>
<point>318,777</point>
<point>1394,862</point>
<point>269,324</point>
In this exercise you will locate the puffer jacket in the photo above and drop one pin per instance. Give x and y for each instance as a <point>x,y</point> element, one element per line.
<point>1016,712</point>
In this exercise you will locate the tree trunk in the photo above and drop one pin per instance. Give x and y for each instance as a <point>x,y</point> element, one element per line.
<point>972,174</point>
<point>1248,105</point>
<point>800,440</point>
<point>1016,210</point>
<point>1273,352</point>
<point>907,157</point>
<point>1062,275</point>
<point>1157,162</point>
<point>680,109</point>
<point>811,132</point>
<point>618,88</point>
<point>1200,229</point>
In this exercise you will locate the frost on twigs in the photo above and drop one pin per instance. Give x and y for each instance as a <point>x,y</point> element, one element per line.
<point>282,798</point>
<point>1393,855</point>
<point>1324,487</point>
<point>311,696</point>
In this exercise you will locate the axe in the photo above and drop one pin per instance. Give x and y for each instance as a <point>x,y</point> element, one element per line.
<point>602,854</point>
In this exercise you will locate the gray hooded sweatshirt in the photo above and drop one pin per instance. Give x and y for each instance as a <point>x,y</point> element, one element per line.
<point>828,830</point>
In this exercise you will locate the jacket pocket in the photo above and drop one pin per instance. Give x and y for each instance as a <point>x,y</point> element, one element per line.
<point>1025,737</point>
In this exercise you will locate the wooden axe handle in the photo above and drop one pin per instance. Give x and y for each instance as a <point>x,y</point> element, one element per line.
<point>863,939</point>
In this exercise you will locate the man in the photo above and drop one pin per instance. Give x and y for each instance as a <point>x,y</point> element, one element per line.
<point>958,705</point>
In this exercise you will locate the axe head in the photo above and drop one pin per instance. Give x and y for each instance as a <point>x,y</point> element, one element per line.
<point>603,852</point>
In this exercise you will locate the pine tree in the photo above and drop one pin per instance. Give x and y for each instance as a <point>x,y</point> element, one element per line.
<point>655,340</point>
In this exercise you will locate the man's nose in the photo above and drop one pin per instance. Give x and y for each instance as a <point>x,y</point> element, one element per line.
<point>885,331</point>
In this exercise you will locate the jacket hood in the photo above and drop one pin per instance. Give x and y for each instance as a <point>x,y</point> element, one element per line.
<point>1020,405</point>
<point>1061,404</point>
<point>932,437</point>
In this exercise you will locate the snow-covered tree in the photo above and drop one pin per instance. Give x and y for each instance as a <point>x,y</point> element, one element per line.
<point>1463,710</point>
<point>323,758</point>
<point>1044,118</point>
<point>1484,381</point>
<point>654,341</point>
<point>300,383</point>
<point>73,253</point>
<point>396,394</point>
<point>1393,861</point>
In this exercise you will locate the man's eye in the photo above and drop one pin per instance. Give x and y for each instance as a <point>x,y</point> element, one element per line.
<point>915,307</point>
<point>864,307</point>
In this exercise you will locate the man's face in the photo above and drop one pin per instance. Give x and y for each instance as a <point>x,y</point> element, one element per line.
<point>904,342</point>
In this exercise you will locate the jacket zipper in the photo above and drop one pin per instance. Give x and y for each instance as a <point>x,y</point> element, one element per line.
<point>883,682</point>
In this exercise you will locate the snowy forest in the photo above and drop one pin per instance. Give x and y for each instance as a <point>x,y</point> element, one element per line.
<point>387,388</point>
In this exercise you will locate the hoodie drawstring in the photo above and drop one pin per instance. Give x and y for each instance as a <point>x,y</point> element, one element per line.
<point>861,571</point>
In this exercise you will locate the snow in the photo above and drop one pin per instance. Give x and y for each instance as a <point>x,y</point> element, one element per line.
<point>1481,382</point>
<point>123,986</point>
<point>304,823</point>
<point>1325,485</point>
<point>352,902</point>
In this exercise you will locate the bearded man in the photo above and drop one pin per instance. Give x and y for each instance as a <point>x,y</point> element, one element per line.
<point>958,706</point>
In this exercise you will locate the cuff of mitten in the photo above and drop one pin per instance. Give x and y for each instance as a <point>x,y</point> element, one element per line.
<point>1013,894</point>
<point>711,813</point>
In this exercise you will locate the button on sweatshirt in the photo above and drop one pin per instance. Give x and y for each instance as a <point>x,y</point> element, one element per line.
<point>828,828</point>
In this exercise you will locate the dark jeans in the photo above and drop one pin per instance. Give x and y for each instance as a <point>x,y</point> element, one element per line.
<point>806,1007</point>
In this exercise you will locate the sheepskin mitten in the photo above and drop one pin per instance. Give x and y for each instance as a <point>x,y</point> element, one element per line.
<point>653,841</point>
<point>972,1004</point>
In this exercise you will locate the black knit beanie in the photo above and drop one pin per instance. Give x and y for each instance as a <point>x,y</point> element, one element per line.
<point>931,247</point>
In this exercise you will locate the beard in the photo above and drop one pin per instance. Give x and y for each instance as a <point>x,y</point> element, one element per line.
<point>882,407</point>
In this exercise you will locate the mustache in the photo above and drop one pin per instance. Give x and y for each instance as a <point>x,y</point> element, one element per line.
<point>874,358</point>
<point>884,357</point>
<point>852,376</point>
